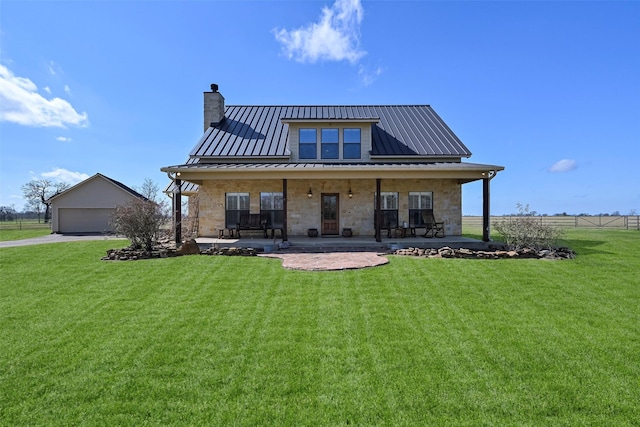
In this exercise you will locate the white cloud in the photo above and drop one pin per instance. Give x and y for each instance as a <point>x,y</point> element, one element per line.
<point>47,89</point>
<point>67,89</point>
<point>22,104</point>
<point>564,165</point>
<point>368,76</point>
<point>335,37</point>
<point>63,139</point>
<point>63,175</point>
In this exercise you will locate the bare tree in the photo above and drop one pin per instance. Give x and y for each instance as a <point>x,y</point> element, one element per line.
<point>7,213</point>
<point>150,190</point>
<point>37,192</point>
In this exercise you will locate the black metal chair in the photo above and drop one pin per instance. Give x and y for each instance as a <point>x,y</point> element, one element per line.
<point>432,227</point>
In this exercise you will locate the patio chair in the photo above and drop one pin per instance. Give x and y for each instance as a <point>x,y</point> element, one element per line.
<point>432,228</point>
<point>389,222</point>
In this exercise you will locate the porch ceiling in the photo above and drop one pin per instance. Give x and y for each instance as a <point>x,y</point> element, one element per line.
<point>465,172</point>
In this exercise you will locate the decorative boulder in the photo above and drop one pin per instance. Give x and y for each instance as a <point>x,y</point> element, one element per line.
<point>190,247</point>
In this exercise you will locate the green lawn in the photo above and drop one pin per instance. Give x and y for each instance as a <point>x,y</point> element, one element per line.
<point>240,341</point>
<point>12,230</point>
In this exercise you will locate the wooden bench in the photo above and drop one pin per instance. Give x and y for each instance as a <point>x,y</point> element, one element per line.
<point>251,222</point>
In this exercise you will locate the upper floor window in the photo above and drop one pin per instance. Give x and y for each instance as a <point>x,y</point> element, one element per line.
<point>351,144</point>
<point>308,144</point>
<point>330,144</point>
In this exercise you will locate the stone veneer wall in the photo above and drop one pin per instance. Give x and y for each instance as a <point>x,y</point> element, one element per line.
<point>355,213</point>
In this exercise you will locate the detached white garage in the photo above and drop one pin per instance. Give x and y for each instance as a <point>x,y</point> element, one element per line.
<point>87,206</point>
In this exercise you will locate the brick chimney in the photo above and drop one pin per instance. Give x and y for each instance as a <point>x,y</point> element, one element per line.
<point>213,107</point>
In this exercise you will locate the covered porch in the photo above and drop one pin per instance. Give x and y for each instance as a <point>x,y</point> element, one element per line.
<point>305,189</point>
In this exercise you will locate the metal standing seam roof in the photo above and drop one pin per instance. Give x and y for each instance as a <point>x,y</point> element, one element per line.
<point>401,130</point>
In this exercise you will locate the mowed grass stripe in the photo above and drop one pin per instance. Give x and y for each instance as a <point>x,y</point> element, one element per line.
<point>222,340</point>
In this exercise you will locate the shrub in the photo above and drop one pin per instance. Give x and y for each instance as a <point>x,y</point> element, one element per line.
<point>141,220</point>
<point>525,230</point>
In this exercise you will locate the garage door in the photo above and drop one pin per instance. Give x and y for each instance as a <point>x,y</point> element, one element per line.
<point>76,220</point>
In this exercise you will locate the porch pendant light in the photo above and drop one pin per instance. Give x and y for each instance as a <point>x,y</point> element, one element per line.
<point>350,193</point>
<point>309,194</point>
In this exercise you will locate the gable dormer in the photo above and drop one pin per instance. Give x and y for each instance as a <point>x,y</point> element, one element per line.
<point>329,141</point>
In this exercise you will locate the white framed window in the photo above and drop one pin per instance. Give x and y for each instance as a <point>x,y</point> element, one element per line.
<point>236,205</point>
<point>388,208</point>
<point>271,201</point>
<point>420,202</point>
<point>272,208</point>
<point>388,200</point>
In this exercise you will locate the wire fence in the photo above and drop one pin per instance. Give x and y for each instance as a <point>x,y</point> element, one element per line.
<point>24,225</point>
<point>626,222</point>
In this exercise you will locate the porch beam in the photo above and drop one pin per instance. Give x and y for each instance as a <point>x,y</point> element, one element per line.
<point>177,213</point>
<point>285,237</point>
<point>377,215</point>
<point>486,206</point>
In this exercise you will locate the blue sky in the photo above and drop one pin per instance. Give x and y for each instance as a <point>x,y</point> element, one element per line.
<point>550,90</point>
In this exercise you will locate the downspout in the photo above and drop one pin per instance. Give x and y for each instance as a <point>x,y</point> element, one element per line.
<point>486,211</point>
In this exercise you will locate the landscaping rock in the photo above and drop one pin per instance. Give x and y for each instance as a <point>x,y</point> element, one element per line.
<point>447,252</point>
<point>231,251</point>
<point>132,254</point>
<point>190,247</point>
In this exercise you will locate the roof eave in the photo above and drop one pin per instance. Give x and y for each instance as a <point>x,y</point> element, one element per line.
<point>464,172</point>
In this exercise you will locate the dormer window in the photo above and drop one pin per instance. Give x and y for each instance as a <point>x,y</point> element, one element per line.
<point>351,144</point>
<point>330,143</point>
<point>308,144</point>
<point>337,140</point>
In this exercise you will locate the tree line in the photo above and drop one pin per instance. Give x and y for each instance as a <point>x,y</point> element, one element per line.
<point>37,193</point>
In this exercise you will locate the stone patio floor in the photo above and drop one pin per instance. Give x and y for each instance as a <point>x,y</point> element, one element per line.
<point>329,260</point>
